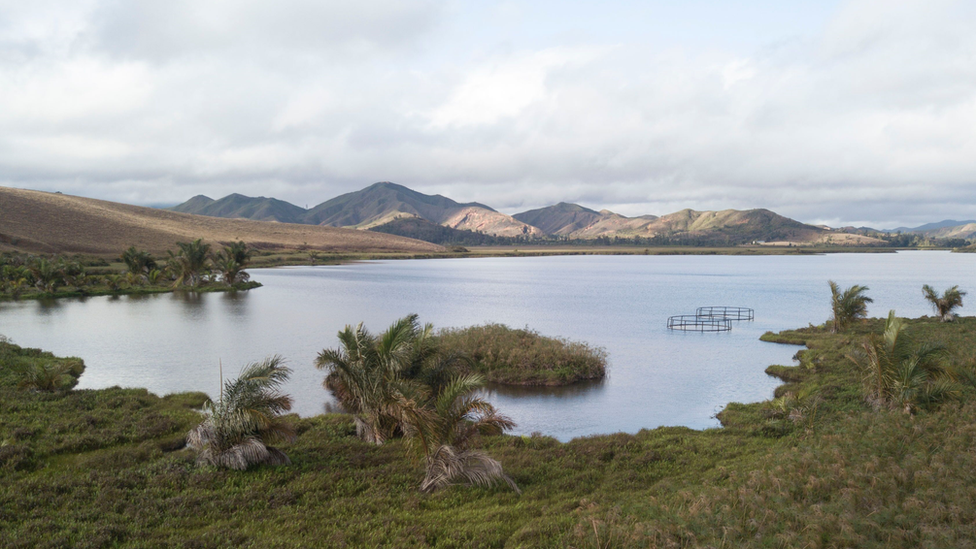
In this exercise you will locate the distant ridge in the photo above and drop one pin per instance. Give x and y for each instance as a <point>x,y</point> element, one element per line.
<point>719,227</point>
<point>929,227</point>
<point>387,207</point>
<point>375,205</point>
<point>243,207</point>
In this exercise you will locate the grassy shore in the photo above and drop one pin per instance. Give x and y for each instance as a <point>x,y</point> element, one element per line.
<point>816,467</point>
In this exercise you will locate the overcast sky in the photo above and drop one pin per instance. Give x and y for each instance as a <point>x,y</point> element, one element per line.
<point>840,112</point>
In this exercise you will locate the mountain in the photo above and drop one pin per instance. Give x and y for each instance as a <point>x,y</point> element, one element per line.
<point>375,205</point>
<point>389,206</point>
<point>421,229</point>
<point>932,227</point>
<point>562,219</point>
<point>686,226</point>
<point>383,202</point>
<point>966,231</point>
<point>43,222</point>
<point>244,207</point>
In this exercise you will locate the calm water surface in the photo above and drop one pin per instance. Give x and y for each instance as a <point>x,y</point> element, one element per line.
<point>173,342</point>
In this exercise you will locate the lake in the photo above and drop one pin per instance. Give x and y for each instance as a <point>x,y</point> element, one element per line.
<point>174,342</point>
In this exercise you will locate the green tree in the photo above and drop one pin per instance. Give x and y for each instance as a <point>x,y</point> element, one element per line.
<point>446,436</point>
<point>246,419</point>
<point>47,276</point>
<point>900,374</point>
<point>400,384</point>
<point>847,306</point>
<point>190,263</point>
<point>232,261</point>
<point>364,375</point>
<point>138,262</point>
<point>945,303</point>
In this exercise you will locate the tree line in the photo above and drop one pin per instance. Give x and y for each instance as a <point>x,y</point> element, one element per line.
<point>192,265</point>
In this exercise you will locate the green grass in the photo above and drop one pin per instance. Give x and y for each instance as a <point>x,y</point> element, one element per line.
<point>86,468</point>
<point>524,357</point>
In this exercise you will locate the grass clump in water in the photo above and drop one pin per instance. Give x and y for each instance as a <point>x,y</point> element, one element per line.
<point>524,357</point>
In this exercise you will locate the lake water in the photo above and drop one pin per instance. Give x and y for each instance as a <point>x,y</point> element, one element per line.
<point>173,342</point>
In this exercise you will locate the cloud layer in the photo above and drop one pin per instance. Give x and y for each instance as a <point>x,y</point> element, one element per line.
<point>866,118</point>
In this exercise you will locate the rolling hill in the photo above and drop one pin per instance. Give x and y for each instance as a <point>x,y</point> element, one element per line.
<point>50,222</point>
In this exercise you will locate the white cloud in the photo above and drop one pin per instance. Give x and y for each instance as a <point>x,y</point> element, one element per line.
<point>868,118</point>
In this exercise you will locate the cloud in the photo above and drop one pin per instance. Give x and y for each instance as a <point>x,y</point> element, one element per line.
<point>866,119</point>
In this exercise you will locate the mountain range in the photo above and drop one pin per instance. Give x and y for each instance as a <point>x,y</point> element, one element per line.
<point>388,207</point>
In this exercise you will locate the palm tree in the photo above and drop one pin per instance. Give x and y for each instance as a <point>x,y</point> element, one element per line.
<point>401,384</point>
<point>445,437</point>
<point>901,374</point>
<point>47,276</point>
<point>232,261</point>
<point>138,262</point>
<point>190,263</point>
<point>246,419</point>
<point>364,374</point>
<point>847,306</point>
<point>945,303</point>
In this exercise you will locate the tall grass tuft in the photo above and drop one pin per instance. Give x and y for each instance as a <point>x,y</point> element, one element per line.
<point>524,357</point>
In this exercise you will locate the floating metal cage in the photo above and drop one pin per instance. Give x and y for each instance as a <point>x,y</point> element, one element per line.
<point>727,313</point>
<point>697,323</point>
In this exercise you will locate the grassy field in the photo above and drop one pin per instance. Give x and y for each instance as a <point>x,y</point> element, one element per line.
<point>816,467</point>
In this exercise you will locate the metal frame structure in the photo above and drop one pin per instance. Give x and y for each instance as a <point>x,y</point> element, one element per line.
<point>696,323</point>
<point>729,313</point>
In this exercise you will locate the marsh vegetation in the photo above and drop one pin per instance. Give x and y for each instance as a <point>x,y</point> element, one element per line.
<point>830,461</point>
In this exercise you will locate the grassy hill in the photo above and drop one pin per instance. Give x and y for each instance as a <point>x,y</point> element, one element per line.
<point>50,222</point>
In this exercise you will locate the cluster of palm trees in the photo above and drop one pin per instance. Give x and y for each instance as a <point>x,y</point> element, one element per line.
<point>397,384</point>
<point>400,384</point>
<point>192,265</point>
<point>899,373</point>
<point>21,273</point>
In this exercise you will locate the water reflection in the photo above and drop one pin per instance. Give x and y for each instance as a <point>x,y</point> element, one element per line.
<point>194,299</point>
<point>49,306</point>
<point>576,390</point>
<point>235,303</point>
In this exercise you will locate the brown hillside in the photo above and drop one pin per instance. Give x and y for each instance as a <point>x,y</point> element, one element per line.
<point>48,222</point>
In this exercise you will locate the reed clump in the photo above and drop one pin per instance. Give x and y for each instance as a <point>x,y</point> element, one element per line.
<point>520,356</point>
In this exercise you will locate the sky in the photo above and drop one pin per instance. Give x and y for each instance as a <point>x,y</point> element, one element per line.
<point>847,112</point>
